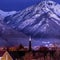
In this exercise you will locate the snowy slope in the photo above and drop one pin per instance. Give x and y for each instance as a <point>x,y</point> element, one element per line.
<point>4,14</point>
<point>10,37</point>
<point>41,19</point>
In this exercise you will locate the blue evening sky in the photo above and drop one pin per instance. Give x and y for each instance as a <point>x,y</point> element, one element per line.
<point>8,5</point>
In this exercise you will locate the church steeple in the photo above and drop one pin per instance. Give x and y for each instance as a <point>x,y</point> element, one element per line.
<point>30,43</point>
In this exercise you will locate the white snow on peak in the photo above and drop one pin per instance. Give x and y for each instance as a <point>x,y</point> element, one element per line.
<point>37,17</point>
<point>5,14</point>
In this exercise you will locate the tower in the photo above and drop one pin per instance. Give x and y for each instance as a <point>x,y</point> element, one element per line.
<point>30,43</point>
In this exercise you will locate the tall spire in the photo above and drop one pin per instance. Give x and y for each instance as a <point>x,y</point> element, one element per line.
<point>30,43</point>
<point>29,38</point>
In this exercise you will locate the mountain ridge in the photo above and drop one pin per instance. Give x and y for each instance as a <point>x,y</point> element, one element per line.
<point>41,21</point>
<point>37,19</point>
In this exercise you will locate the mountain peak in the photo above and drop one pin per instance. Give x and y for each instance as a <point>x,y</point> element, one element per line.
<point>47,2</point>
<point>43,18</point>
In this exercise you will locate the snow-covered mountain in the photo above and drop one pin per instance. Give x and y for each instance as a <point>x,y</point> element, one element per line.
<point>10,37</point>
<point>42,19</point>
<point>4,14</point>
